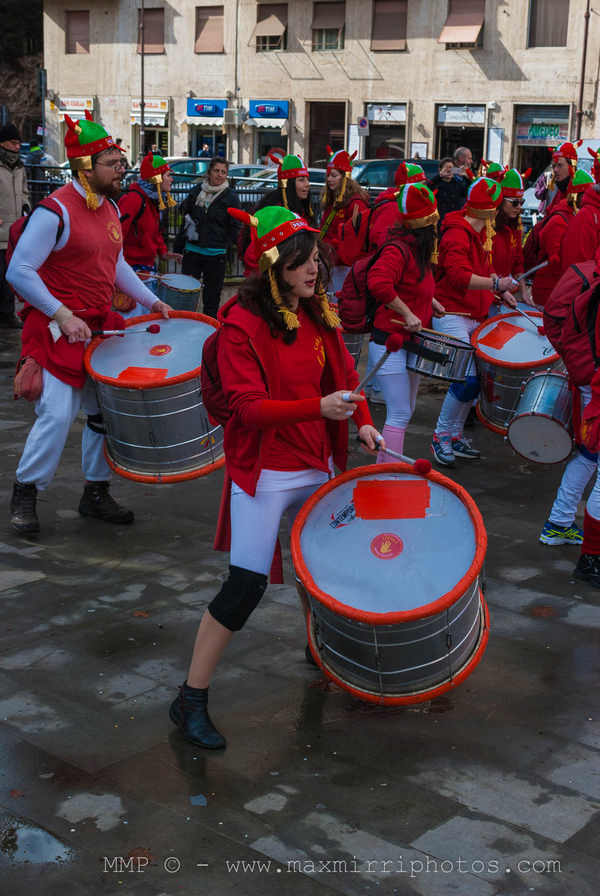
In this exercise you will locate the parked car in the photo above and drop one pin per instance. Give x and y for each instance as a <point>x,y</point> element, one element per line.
<point>186,171</point>
<point>376,175</point>
<point>237,172</point>
<point>530,209</point>
<point>252,189</point>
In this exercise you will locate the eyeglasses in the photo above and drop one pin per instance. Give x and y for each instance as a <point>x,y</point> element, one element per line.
<point>116,166</point>
<point>517,203</point>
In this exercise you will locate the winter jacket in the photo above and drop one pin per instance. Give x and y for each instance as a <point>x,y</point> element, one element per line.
<point>14,197</point>
<point>461,254</point>
<point>581,239</point>
<point>215,228</point>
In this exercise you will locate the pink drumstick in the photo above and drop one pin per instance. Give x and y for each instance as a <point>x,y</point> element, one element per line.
<point>153,328</point>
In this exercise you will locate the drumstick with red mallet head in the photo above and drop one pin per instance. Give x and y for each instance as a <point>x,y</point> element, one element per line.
<point>392,344</point>
<point>421,466</point>
<point>153,328</point>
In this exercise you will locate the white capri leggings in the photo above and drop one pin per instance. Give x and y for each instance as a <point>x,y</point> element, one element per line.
<point>255,520</point>
<point>399,385</point>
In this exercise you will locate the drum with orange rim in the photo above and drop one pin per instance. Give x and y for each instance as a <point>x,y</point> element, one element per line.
<point>148,387</point>
<point>390,562</point>
<point>508,350</point>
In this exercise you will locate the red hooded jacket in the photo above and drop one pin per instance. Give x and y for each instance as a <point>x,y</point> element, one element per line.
<point>461,254</point>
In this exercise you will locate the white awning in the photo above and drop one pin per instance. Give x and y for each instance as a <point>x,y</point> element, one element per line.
<point>213,121</point>
<point>151,118</point>
<point>266,122</point>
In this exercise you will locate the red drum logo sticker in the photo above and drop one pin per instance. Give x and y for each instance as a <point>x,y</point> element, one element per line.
<point>160,350</point>
<point>387,546</point>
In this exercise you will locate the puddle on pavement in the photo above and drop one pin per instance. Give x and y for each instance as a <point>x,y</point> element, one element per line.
<point>26,843</point>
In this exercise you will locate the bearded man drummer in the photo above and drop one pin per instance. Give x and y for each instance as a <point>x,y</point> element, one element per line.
<point>65,267</point>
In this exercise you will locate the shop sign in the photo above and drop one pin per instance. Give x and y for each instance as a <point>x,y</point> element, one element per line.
<point>151,105</point>
<point>205,108</point>
<point>542,134</point>
<point>75,103</point>
<point>449,115</point>
<point>387,113</point>
<point>269,109</point>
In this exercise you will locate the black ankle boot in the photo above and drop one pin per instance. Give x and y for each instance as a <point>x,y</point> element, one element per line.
<point>23,516</point>
<point>190,713</point>
<point>98,502</point>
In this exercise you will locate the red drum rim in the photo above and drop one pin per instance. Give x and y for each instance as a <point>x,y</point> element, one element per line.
<point>415,696</point>
<point>159,479</point>
<point>510,365</point>
<point>442,603</point>
<point>135,383</point>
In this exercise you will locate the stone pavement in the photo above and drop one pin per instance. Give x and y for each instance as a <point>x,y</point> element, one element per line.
<point>489,790</point>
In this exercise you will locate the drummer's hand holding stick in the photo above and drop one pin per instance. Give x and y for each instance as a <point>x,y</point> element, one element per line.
<point>421,466</point>
<point>409,320</point>
<point>437,309</point>
<point>73,328</point>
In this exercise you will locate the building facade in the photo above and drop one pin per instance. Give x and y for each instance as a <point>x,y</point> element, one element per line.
<point>406,78</point>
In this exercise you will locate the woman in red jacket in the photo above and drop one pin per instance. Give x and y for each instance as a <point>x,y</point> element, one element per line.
<point>507,249</point>
<point>341,197</point>
<point>289,382</point>
<point>465,284</point>
<point>553,233</point>
<point>402,282</point>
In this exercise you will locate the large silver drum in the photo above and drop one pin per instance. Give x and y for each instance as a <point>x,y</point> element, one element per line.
<point>389,562</point>
<point>148,386</point>
<point>508,350</point>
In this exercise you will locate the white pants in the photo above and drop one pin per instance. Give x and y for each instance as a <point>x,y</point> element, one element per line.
<point>56,409</point>
<point>578,473</point>
<point>398,384</point>
<point>255,520</point>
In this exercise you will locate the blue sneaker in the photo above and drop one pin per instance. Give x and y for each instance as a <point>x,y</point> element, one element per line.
<point>461,446</point>
<point>441,447</point>
<point>553,534</point>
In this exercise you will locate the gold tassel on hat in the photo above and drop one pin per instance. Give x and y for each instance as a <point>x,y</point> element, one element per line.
<point>170,201</point>
<point>290,319</point>
<point>284,194</point>
<point>161,204</point>
<point>327,313</point>
<point>91,200</point>
<point>434,255</point>
<point>490,233</point>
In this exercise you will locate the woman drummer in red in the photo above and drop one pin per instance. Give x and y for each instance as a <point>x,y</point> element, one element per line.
<point>465,283</point>
<point>402,282</point>
<point>341,197</point>
<point>507,248</point>
<point>289,382</point>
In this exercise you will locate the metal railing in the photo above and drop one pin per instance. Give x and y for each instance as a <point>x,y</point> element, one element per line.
<point>43,181</point>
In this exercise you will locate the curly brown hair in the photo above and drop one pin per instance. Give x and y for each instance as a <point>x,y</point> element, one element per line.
<point>255,292</point>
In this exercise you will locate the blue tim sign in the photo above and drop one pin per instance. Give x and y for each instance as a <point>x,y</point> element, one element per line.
<point>269,109</point>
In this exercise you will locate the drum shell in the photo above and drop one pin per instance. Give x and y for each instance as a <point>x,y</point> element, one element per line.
<point>458,354</point>
<point>395,658</point>
<point>354,344</point>
<point>159,433</point>
<point>179,291</point>
<point>502,381</point>
<point>540,429</point>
